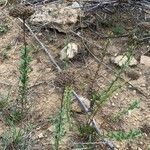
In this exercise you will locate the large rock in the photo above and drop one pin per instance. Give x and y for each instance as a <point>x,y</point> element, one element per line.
<point>58,16</point>
<point>121,60</point>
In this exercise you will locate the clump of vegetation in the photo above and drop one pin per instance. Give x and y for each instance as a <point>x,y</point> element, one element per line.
<point>12,115</point>
<point>3,29</point>
<point>14,139</point>
<point>23,12</point>
<point>3,102</point>
<point>64,79</point>
<point>120,135</point>
<point>125,111</point>
<point>99,98</point>
<point>62,123</point>
<point>24,70</point>
<point>118,30</point>
<point>5,51</point>
<point>86,130</point>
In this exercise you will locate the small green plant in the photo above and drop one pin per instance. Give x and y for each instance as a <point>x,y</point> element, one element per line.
<point>14,139</point>
<point>12,116</point>
<point>118,30</point>
<point>3,102</point>
<point>120,135</point>
<point>24,70</point>
<point>3,29</point>
<point>62,122</point>
<point>125,111</point>
<point>86,130</point>
<point>101,97</point>
<point>5,51</point>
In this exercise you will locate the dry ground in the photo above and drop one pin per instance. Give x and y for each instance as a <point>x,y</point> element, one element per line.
<point>45,96</point>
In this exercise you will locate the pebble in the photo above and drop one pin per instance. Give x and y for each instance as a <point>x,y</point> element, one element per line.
<point>69,51</point>
<point>113,104</point>
<point>143,85</point>
<point>116,94</point>
<point>40,135</point>
<point>134,92</point>
<point>115,97</point>
<point>40,34</point>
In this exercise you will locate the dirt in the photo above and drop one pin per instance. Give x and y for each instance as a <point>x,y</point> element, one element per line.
<point>44,84</point>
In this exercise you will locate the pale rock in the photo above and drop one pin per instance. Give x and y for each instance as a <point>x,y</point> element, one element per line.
<point>40,135</point>
<point>143,85</point>
<point>75,5</point>
<point>134,92</point>
<point>56,16</point>
<point>115,97</point>
<point>113,104</point>
<point>116,94</point>
<point>69,51</point>
<point>121,60</point>
<point>50,129</point>
<point>145,60</point>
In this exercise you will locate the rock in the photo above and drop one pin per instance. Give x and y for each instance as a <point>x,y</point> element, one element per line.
<point>56,16</point>
<point>132,74</point>
<point>69,51</point>
<point>113,104</point>
<point>75,5</point>
<point>120,60</point>
<point>40,135</point>
<point>145,60</point>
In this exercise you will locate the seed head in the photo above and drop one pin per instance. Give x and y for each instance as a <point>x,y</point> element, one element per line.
<point>64,79</point>
<point>21,11</point>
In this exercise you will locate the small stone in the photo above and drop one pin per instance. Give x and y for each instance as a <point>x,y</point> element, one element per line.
<point>115,97</point>
<point>117,146</point>
<point>40,135</point>
<point>141,143</point>
<point>38,128</point>
<point>145,60</point>
<point>40,34</point>
<point>113,104</point>
<point>134,91</point>
<point>75,5</point>
<point>143,85</point>
<point>69,51</point>
<point>50,129</point>
<point>130,87</point>
<point>116,94</point>
<point>121,60</point>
